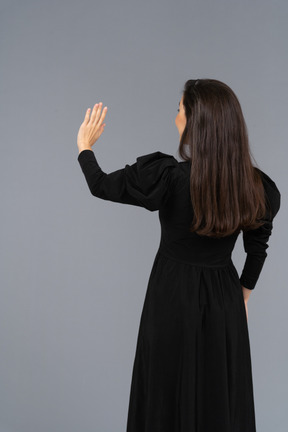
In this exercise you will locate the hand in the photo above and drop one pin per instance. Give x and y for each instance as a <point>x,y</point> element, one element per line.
<point>246,294</point>
<point>246,307</point>
<point>91,128</point>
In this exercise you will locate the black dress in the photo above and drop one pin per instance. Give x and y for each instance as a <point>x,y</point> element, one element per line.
<point>192,368</point>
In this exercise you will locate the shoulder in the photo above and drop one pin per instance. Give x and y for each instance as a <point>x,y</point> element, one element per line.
<point>156,163</point>
<point>157,158</point>
<point>159,166</point>
<point>272,191</point>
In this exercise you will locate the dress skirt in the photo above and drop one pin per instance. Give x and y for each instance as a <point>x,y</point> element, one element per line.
<point>192,369</point>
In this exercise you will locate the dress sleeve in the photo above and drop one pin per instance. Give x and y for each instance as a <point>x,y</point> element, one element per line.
<point>146,183</point>
<point>256,241</point>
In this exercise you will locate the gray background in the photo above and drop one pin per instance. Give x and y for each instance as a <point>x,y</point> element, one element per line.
<point>74,269</point>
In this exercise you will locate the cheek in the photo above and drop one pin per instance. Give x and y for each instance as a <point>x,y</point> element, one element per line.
<point>183,120</point>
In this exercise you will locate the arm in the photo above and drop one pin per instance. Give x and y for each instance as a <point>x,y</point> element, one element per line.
<point>256,241</point>
<point>145,183</point>
<point>255,245</point>
<point>112,186</point>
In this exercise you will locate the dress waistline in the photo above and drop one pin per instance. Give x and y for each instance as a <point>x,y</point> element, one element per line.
<point>228,263</point>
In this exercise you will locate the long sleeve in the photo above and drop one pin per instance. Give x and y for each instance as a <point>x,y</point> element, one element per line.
<point>146,183</point>
<point>256,241</point>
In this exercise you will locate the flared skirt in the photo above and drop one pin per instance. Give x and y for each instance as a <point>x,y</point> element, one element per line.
<point>192,370</point>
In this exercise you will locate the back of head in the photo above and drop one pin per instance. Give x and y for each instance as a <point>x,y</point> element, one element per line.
<point>227,193</point>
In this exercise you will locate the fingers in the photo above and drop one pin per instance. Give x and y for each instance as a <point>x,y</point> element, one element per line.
<point>104,112</point>
<point>96,113</point>
<point>86,118</point>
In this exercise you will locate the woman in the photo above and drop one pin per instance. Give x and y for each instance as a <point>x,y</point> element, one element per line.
<point>192,369</point>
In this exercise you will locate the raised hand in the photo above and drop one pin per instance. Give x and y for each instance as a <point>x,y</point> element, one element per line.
<point>92,127</point>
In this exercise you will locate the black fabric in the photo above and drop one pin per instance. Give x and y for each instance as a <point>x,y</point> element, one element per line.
<point>192,369</point>
<point>256,241</point>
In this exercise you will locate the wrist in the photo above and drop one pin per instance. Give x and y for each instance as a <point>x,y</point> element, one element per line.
<point>84,147</point>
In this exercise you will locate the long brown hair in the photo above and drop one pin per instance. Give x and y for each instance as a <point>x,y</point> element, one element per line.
<point>227,192</point>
